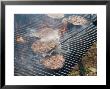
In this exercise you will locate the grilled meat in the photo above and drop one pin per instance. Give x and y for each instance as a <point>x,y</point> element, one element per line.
<point>54,62</point>
<point>43,47</point>
<point>77,20</point>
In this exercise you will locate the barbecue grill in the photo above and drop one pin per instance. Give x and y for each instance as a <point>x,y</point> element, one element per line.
<point>74,43</point>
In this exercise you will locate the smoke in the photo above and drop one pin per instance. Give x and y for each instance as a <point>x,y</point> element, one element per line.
<point>53,35</point>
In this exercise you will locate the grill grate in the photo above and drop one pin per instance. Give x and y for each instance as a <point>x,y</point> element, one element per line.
<point>77,41</point>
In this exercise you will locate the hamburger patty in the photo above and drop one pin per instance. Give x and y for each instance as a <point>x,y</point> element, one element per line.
<point>53,62</point>
<point>77,20</point>
<point>43,47</point>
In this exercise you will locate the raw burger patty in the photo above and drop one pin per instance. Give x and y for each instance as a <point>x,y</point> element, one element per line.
<point>54,62</point>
